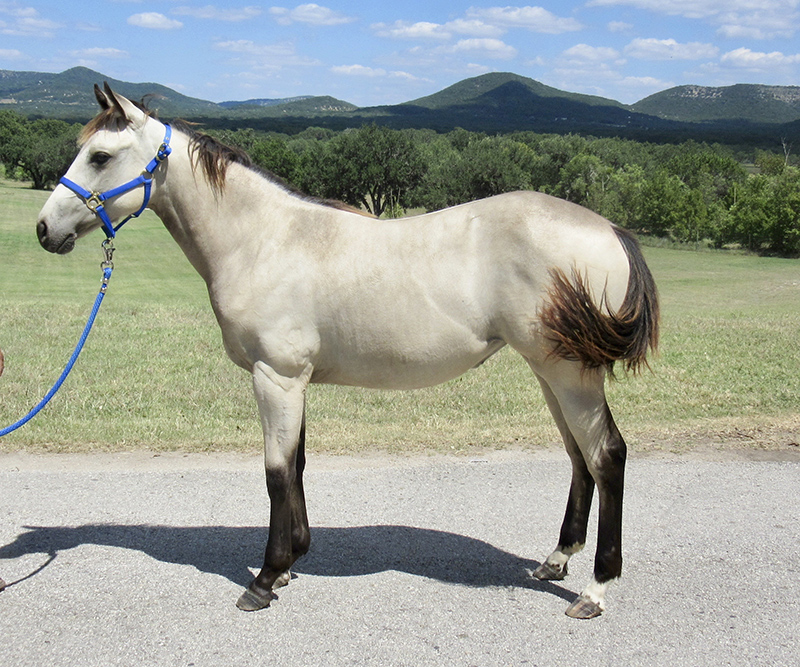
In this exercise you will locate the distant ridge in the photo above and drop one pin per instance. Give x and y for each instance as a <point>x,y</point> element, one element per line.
<point>263,102</point>
<point>70,94</point>
<point>496,102</point>
<point>742,102</point>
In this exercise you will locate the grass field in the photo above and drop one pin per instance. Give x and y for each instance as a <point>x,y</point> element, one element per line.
<point>154,375</point>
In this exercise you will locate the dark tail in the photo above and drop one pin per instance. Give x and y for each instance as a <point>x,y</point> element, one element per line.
<point>591,334</point>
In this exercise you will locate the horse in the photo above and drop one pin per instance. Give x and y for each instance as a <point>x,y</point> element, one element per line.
<point>306,291</point>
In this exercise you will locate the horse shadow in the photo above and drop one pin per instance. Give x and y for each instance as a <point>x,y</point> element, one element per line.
<point>335,552</point>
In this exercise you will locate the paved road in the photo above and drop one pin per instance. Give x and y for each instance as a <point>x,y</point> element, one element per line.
<point>117,560</point>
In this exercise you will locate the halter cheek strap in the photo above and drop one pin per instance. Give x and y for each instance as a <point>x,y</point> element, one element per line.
<point>95,201</point>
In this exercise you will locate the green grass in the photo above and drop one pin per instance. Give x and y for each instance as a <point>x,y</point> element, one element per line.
<point>154,374</point>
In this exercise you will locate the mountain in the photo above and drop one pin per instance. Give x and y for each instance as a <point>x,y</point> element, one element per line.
<point>70,94</point>
<point>505,102</point>
<point>495,102</point>
<point>323,105</point>
<point>742,102</point>
<point>478,88</point>
<point>263,102</point>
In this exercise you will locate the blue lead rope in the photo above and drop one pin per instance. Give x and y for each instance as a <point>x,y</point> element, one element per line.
<point>95,201</point>
<point>107,268</point>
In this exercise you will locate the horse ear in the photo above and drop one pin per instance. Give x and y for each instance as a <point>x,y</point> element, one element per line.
<point>124,107</point>
<point>102,100</point>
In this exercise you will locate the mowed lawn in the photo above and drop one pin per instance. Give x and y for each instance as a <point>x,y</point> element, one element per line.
<point>154,374</point>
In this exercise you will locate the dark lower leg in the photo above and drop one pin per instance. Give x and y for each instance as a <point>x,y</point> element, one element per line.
<point>610,478</point>
<point>579,504</point>
<point>301,535</point>
<point>278,554</point>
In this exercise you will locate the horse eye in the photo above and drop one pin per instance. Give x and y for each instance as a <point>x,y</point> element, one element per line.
<point>99,158</point>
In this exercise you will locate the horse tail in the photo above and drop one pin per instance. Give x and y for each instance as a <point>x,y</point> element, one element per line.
<point>582,331</point>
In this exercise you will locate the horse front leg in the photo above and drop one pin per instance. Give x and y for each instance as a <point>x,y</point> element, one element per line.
<point>281,403</point>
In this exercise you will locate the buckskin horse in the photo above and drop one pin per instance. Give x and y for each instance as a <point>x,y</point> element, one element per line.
<point>306,291</point>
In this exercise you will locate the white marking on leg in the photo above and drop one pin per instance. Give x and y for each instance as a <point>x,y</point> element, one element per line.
<point>560,557</point>
<point>596,592</point>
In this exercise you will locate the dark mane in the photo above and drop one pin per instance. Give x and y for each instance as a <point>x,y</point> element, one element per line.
<point>212,155</point>
<point>215,157</point>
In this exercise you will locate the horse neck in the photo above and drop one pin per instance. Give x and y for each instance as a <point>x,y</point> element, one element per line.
<point>212,227</point>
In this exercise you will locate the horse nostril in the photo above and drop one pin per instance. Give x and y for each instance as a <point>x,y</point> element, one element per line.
<point>41,231</point>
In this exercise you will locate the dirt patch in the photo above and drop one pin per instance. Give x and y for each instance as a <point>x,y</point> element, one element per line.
<point>775,441</point>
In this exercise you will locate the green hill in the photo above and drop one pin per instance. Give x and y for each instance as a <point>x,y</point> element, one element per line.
<point>742,102</point>
<point>70,94</point>
<point>480,88</point>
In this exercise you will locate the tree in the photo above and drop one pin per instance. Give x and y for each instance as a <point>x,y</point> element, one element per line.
<point>784,226</point>
<point>13,137</point>
<point>372,167</point>
<point>584,180</point>
<point>51,147</point>
<point>40,150</point>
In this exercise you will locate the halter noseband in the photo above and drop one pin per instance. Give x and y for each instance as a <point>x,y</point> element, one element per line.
<point>95,200</point>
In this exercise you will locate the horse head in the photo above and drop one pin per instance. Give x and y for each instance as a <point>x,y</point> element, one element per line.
<point>113,148</point>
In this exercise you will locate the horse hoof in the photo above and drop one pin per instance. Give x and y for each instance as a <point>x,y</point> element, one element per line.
<point>584,608</point>
<point>2,585</point>
<point>547,572</point>
<point>251,601</point>
<point>282,580</point>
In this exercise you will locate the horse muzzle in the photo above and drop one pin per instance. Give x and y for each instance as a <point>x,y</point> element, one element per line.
<point>60,244</point>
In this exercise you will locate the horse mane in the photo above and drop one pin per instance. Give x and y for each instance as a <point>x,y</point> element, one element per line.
<point>213,156</point>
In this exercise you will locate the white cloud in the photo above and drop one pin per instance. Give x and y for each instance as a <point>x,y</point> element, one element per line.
<point>536,19</point>
<point>753,60</point>
<point>759,25</point>
<point>488,47</point>
<point>26,22</point>
<point>584,53</point>
<point>154,21</point>
<point>101,53</point>
<point>216,14</point>
<point>475,27</point>
<point>483,23</point>
<point>698,8</point>
<point>373,72</point>
<point>265,57</point>
<point>406,30</point>
<point>669,49</point>
<point>619,26</point>
<point>310,13</point>
<point>760,19</point>
<point>426,30</point>
<point>12,54</point>
<point>358,70</point>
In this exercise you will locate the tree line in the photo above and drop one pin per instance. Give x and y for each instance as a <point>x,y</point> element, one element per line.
<point>690,192</point>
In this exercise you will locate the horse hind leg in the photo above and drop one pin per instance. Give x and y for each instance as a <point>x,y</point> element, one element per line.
<point>572,537</point>
<point>598,453</point>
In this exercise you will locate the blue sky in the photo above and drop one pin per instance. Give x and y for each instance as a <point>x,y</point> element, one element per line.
<point>371,53</point>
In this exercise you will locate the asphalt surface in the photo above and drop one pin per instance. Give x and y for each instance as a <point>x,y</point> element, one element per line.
<point>130,560</point>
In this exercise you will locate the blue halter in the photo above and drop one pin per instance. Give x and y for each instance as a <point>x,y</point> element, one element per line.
<point>95,200</point>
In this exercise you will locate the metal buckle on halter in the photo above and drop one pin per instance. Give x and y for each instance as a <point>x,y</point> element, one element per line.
<point>94,202</point>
